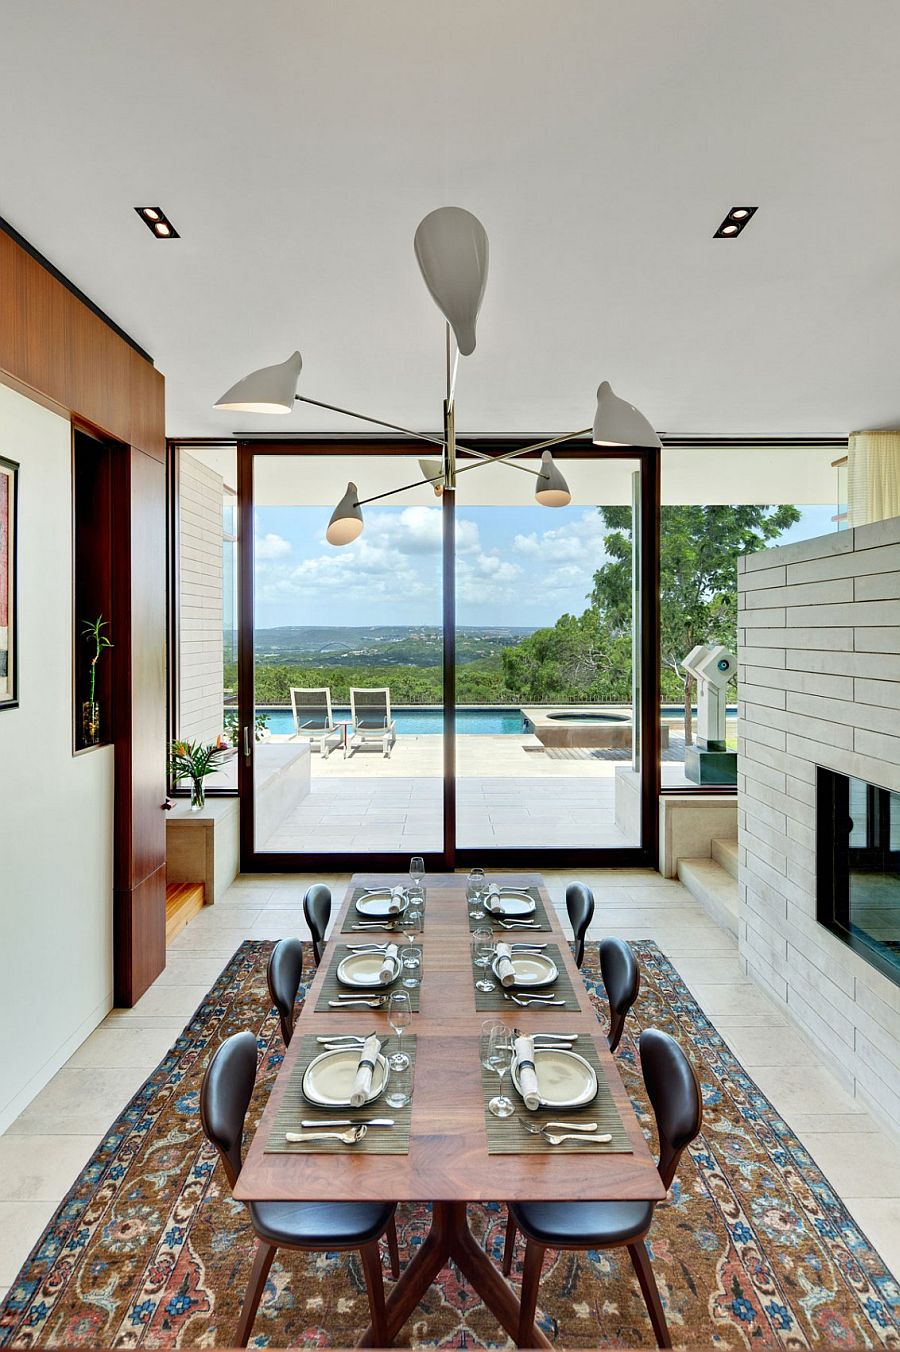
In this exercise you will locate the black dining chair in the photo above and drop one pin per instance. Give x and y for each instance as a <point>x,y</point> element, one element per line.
<point>622,979</point>
<point>283,975</point>
<point>312,1226</point>
<point>317,910</point>
<point>580,905</point>
<point>674,1093</point>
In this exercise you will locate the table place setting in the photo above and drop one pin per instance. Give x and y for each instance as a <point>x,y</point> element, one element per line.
<point>344,1095</point>
<point>561,1103</point>
<point>364,975</point>
<point>390,909</point>
<point>504,907</point>
<point>519,973</point>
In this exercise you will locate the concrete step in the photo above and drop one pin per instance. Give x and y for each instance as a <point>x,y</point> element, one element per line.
<point>725,852</point>
<point>714,888</point>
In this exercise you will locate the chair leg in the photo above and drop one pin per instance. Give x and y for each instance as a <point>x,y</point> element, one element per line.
<point>371,1260</point>
<point>509,1247</point>
<point>616,1028</point>
<point>531,1279</point>
<point>393,1248</point>
<point>256,1284</point>
<point>640,1259</point>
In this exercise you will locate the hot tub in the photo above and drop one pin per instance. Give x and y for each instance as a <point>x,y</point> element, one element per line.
<point>603,728</point>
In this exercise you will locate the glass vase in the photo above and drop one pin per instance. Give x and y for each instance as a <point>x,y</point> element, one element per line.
<point>90,723</point>
<point>198,795</point>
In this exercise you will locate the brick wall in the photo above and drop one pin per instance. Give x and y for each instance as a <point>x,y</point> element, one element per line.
<point>200,601</point>
<point>819,684</point>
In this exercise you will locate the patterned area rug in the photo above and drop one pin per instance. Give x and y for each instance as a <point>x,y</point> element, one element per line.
<point>753,1250</point>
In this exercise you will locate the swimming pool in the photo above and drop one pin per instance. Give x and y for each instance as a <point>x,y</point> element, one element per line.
<point>421,720</point>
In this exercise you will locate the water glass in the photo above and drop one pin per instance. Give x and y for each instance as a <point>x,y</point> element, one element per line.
<point>409,957</point>
<point>475,886</point>
<point>416,897</point>
<point>399,1013</point>
<point>496,1055</point>
<point>400,1087</point>
<point>483,947</point>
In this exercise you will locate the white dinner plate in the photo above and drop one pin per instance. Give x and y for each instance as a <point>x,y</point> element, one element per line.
<point>361,970</point>
<point>506,905</point>
<point>378,907</point>
<point>329,1078</point>
<point>565,1079</point>
<point>532,969</point>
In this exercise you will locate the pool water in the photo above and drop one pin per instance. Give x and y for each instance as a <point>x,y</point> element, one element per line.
<point>420,720</point>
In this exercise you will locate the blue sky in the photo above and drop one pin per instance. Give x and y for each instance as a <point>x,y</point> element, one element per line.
<point>515,565</point>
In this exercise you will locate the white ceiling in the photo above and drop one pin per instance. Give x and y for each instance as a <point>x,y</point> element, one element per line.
<point>296,144</point>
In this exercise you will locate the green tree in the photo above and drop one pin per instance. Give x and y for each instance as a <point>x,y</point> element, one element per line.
<point>579,658</point>
<point>699,547</point>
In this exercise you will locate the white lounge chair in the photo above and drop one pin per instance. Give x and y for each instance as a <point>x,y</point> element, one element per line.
<point>371,720</point>
<point>313,719</point>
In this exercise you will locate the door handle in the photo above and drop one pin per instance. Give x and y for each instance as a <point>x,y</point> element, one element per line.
<point>246,743</point>
<point>167,805</point>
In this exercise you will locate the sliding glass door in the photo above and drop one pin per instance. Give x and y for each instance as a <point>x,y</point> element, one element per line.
<point>462,681</point>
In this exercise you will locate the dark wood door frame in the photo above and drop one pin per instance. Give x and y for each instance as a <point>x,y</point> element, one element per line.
<point>646,854</point>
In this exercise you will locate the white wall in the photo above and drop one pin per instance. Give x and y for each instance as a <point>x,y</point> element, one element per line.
<point>55,808</point>
<point>819,684</point>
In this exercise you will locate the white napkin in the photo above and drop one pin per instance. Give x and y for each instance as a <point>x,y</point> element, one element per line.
<point>388,968</point>
<point>528,1085</point>
<point>395,905</point>
<point>362,1085</point>
<point>492,899</point>
<point>505,969</point>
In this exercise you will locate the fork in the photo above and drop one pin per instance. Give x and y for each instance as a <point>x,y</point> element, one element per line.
<point>516,924</point>
<point>377,1003</point>
<point>524,1002</point>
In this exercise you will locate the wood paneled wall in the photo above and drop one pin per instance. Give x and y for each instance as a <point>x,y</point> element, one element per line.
<point>56,348</point>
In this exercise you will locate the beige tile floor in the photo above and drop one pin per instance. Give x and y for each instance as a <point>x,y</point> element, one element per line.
<point>44,1149</point>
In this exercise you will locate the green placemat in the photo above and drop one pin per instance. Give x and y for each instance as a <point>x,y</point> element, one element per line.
<point>331,987</point>
<point>507,1136</point>
<point>294,1108</point>
<point>540,915</point>
<point>562,988</point>
<point>353,917</point>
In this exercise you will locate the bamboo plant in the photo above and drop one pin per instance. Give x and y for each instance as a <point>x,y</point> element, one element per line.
<point>92,633</point>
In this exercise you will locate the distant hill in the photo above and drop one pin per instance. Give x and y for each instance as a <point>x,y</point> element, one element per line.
<point>379,645</point>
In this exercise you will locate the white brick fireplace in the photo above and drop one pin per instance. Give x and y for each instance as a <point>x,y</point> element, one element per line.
<point>819,685</point>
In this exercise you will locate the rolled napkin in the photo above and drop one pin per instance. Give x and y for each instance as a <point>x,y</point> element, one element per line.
<point>505,969</point>
<point>362,1085</point>
<point>388,969</point>
<point>492,898</point>
<point>395,905</point>
<point>528,1085</point>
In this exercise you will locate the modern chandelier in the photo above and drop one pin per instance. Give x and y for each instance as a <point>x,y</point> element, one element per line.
<point>451,247</point>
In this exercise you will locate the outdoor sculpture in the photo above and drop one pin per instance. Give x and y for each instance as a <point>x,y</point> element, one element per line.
<point>709,762</point>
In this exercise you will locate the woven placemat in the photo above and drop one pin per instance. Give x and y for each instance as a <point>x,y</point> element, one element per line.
<point>507,1136</point>
<point>294,1108</point>
<point>540,915</point>
<point>353,917</point>
<point>493,1001</point>
<point>331,987</point>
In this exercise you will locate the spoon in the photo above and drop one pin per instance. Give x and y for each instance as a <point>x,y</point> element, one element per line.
<point>603,1139</point>
<point>350,1137</point>
<point>538,1129</point>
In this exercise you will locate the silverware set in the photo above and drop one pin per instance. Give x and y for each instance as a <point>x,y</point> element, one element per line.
<point>347,1001</point>
<point>525,1000</point>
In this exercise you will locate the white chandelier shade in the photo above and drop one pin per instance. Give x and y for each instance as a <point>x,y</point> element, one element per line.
<point>271,389</point>
<point>452,252</point>
<point>433,470</point>
<point>618,423</point>
<point>346,520</point>
<point>552,489</point>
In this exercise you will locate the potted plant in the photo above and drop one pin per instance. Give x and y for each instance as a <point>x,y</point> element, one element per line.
<point>92,632</point>
<point>194,761</point>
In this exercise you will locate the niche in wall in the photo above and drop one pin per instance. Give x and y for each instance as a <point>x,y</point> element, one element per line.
<point>92,571</point>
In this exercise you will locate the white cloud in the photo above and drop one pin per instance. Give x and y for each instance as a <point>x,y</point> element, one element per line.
<point>272,546</point>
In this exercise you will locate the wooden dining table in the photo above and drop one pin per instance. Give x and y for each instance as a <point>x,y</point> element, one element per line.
<point>448,1163</point>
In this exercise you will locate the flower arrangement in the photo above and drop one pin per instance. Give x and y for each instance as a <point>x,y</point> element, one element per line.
<point>194,761</point>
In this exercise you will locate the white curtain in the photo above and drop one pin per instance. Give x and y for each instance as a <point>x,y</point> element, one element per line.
<point>873,476</point>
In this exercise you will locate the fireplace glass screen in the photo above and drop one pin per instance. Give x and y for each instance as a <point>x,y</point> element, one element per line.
<point>859,867</point>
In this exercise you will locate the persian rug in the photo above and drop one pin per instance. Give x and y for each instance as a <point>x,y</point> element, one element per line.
<point>752,1250</point>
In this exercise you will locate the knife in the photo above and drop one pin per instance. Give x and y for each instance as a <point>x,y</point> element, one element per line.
<point>347,1122</point>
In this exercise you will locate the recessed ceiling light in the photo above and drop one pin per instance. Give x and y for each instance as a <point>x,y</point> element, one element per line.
<point>734,222</point>
<point>158,222</point>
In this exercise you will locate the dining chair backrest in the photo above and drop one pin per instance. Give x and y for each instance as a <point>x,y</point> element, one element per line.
<point>225,1097</point>
<point>317,910</point>
<point>580,906</point>
<point>622,979</point>
<point>370,708</point>
<point>311,706</point>
<point>674,1092</point>
<point>283,976</point>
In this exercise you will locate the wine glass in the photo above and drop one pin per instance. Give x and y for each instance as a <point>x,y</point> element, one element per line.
<point>496,1055</point>
<point>483,946</point>
<point>474,892</point>
<point>399,1013</point>
<point>417,870</point>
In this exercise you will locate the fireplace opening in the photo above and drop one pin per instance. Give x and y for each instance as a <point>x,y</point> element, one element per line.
<point>858,867</point>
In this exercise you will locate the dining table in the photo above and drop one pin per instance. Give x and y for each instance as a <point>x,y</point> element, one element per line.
<point>448,1163</point>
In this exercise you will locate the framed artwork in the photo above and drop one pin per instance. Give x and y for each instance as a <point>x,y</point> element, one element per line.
<point>9,686</point>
